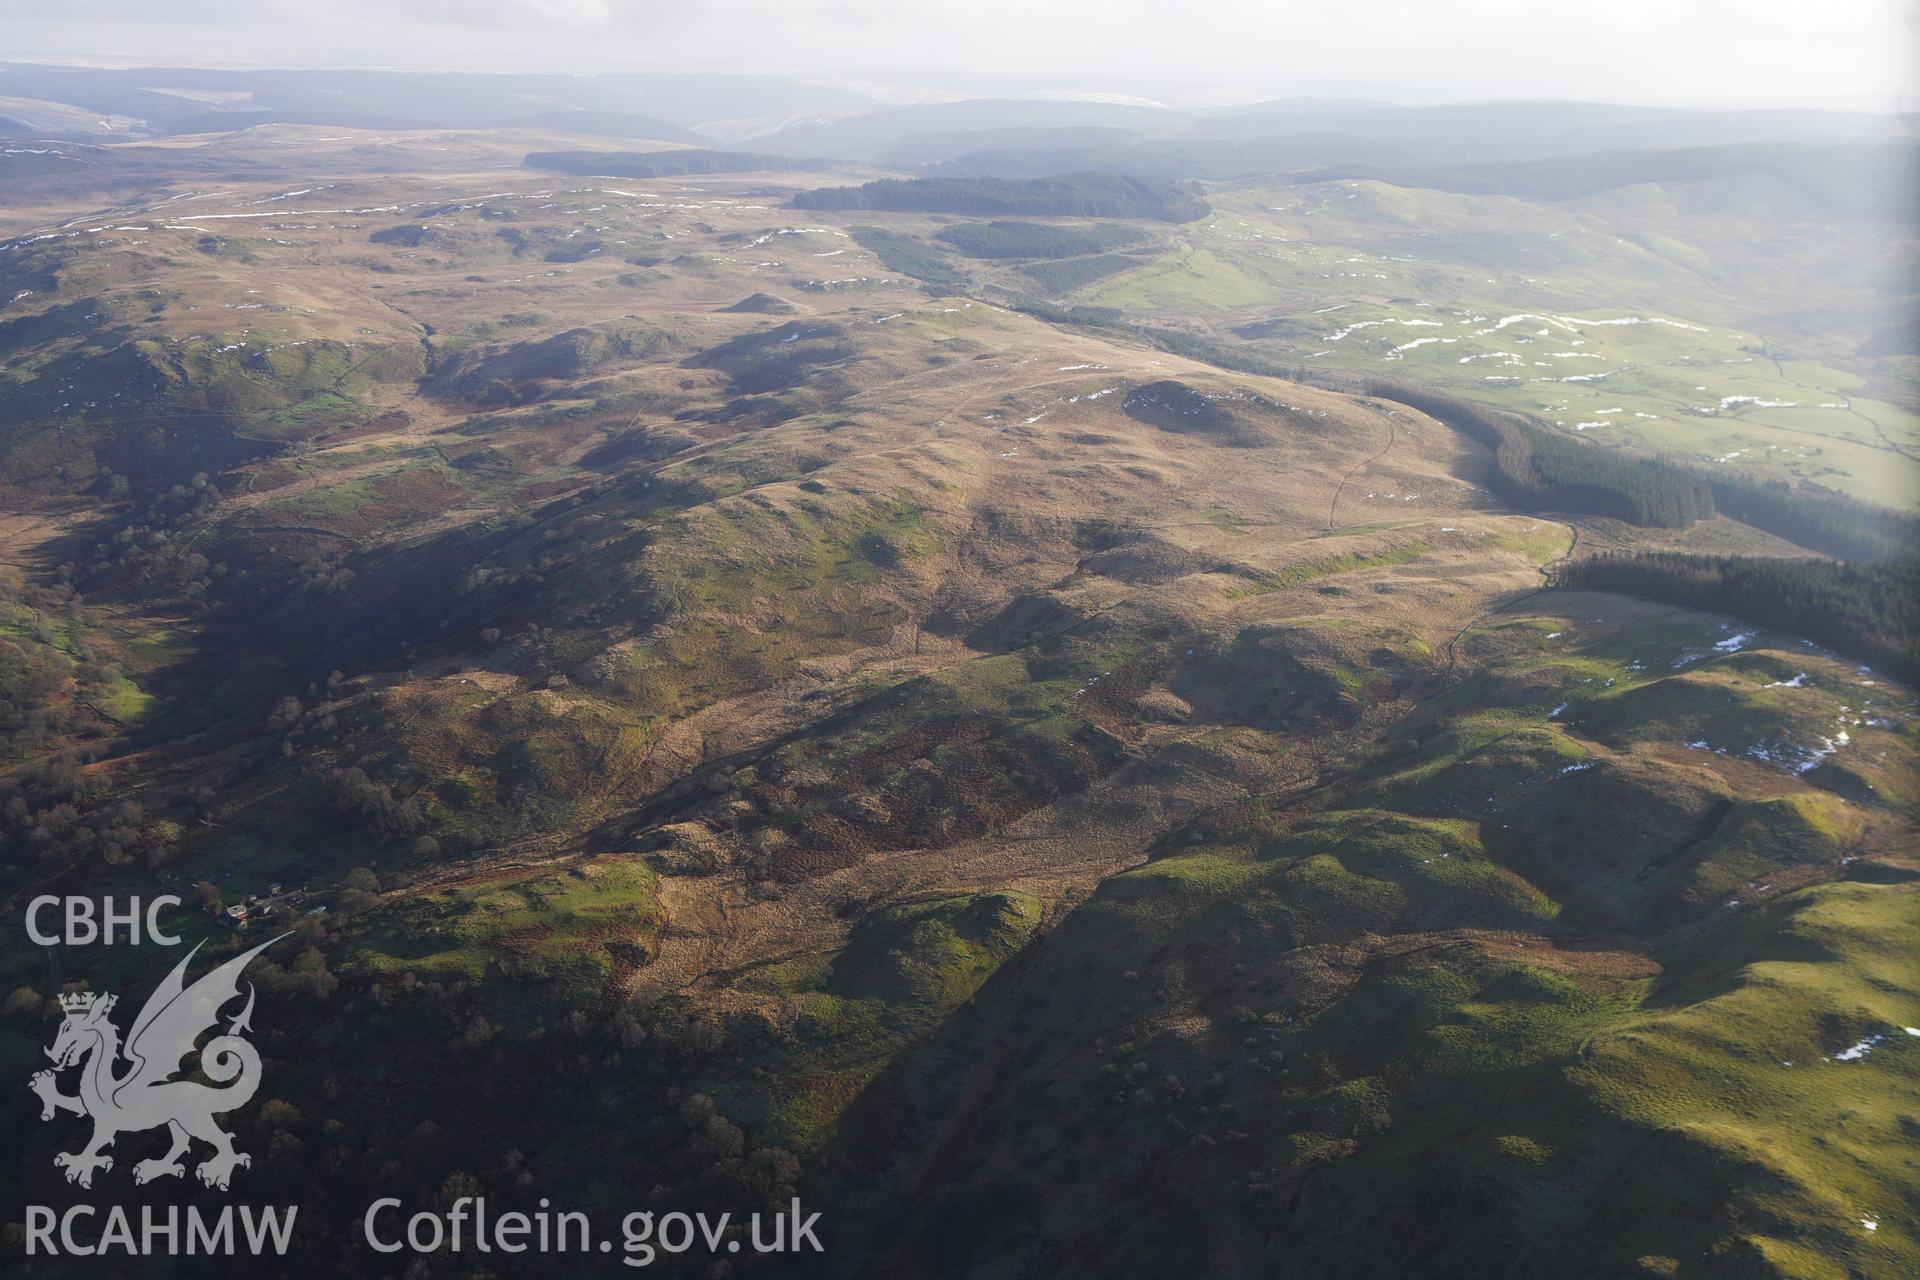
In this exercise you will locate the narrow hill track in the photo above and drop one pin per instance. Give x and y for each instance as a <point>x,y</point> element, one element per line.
<point>1545,569</point>
<point>1392,436</point>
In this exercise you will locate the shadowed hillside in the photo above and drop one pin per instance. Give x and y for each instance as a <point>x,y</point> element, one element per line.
<point>941,698</point>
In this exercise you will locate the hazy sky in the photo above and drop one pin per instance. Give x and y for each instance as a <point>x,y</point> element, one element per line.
<point>1734,52</point>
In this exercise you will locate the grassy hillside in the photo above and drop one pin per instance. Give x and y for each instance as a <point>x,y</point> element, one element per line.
<point>745,698</point>
<point>1621,316</point>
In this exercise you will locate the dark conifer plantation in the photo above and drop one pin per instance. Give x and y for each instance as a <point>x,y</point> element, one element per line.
<point>1817,519</point>
<point>1538,469</point>
<point>1072,195</point>
<point>1870,612</point>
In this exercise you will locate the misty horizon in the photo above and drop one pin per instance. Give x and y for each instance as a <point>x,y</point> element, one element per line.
<point>1855,56</point>
<point>917,86</point>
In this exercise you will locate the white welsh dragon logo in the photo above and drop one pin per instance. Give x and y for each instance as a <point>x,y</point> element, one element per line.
<point>146,1095</point>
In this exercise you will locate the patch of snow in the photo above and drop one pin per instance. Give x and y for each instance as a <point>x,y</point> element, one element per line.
<point>1861,1050</point>
<point>1395,353</point>
<point>1827,747</point>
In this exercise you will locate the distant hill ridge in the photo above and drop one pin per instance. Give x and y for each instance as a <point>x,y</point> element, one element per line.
<point>1077,195</point>
<point>1866,179</point>
<point>661,164</point>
